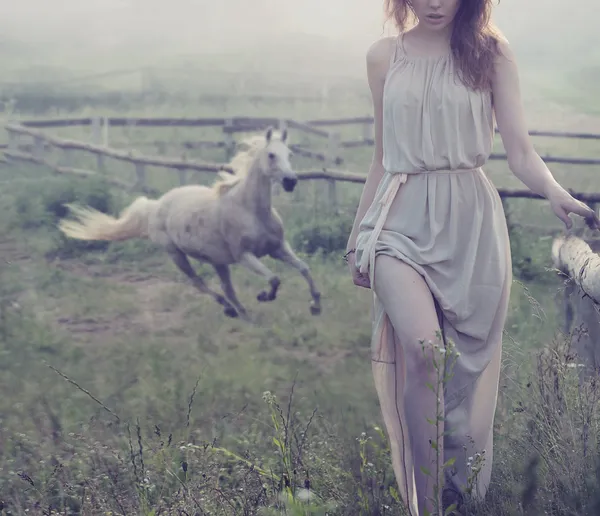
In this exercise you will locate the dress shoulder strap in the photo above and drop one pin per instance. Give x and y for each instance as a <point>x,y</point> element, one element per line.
<point>395,50</point>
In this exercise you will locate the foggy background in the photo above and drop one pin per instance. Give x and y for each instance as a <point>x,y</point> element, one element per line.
<point>555,41</point>
<point>190,26</point>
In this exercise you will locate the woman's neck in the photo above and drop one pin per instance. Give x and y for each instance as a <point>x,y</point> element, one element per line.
<point>442,34</point>
<point>429,41</point>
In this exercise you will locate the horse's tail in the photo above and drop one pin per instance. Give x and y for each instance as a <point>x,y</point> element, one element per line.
<point>92,224</point>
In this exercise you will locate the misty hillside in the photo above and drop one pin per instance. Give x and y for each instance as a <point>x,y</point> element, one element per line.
<point>556,43</point>
<point>143,27</point>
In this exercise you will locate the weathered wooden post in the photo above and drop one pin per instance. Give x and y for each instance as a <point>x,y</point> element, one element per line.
<point>183,172</point>
<point>13,141</point>
<point>129,130</point>
<point>13,138</point>
<point>105,131</point>
<point>66,158</point>
<point>97,139</point>
<point>38,147</point>
<point>574,257</point>
<point>96,129</point>
<point>140,175</point>
<point>333,146</point>
<point>228,138</point>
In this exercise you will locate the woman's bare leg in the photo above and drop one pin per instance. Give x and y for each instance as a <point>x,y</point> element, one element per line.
<point>412,312</point>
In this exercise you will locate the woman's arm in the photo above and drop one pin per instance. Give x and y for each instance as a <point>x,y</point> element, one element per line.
<point>378,58</point>
<point>524,162</point>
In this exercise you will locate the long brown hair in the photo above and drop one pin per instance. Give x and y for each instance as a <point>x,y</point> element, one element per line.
<point>474,40</point>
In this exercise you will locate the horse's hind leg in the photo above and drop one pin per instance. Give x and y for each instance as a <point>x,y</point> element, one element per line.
<point>180,259</point>
<point>251,262</point>
<point>228,290</point>
<point>287,255</point>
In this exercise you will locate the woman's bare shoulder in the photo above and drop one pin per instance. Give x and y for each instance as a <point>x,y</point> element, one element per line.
<point>504,50</point>
<point>380,51</point>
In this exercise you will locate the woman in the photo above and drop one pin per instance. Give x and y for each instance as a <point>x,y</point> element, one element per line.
<point>430,236</point>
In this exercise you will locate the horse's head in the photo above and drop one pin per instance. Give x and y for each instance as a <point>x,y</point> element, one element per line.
<point>275,160</point>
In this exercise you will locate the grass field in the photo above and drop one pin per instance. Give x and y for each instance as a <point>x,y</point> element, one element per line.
<point>126,392</point>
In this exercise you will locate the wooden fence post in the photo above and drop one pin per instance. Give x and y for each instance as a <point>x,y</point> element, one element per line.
<point>183,174</point>
<point>13,141</point>
<point>567,305</point>
<point>96,129</point>
<point>140,173</point>
<point>38,148</point>
<point>105,131</point>
<point>282,125</point>
<point>10,110</point>
<point>129,129</point>
<point>97,139</point>
<point>332,154</point>
<point>228,137</point>
<point>579,260</point>
<point>66,158</point>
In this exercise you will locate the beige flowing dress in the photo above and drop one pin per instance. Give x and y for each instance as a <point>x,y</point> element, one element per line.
<point>436,210</point>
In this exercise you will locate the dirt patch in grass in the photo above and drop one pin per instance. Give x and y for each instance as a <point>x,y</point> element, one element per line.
<point>12,251</point>
<point>146,291</point>
<point>94,304</point>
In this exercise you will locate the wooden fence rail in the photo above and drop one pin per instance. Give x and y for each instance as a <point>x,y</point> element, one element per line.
<point>322,128</point>
<point>43,141</point>
<point>229,127</point>
<point>368,120</point>
<point>308,125</point>
<point>35,152</point>
<point>120,155</point>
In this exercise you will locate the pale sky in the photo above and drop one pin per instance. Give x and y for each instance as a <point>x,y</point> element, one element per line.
<point>189,26</point>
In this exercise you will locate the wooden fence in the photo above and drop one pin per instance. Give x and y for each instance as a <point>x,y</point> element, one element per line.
<point>39,142</point>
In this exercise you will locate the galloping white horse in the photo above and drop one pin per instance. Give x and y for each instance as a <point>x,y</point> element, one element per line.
<point>232,221</point>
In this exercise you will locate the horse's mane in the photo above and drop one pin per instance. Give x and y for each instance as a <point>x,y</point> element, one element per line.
<point>240,163</point>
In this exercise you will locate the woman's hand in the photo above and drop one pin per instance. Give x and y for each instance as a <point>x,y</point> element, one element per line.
<point>358,278</point>
<point>563,203</point>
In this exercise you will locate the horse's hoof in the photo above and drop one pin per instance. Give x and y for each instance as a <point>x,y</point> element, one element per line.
<point>265,297</point>
<point>315,310</point>
<point>230,312</point>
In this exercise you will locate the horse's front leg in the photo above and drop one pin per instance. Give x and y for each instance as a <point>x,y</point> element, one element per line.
<point>252,263</point>
<point>287,255</point>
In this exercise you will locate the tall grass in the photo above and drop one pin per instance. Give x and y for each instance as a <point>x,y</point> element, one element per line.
<point>205,417</point>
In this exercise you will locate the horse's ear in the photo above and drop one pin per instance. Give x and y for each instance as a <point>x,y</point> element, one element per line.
<point>284,135</point>
<point>269,134</point>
